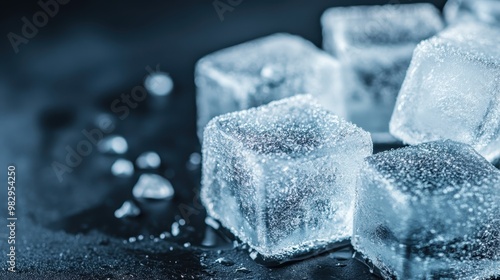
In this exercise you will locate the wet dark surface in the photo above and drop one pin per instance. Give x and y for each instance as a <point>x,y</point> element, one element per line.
<point>69,74</point>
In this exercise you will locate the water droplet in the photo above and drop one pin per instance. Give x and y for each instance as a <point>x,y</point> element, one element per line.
<point>342,254</point>
<point>182,222</point>
<point>132,239</point>
<point>128,209</point>
<point>211,222</point>
<point>104,122</point>
<point>122,168</point>
<point>187,244</point>
<point>272,74</point>
<point>148,160</point>
<point>210,238</point>
<point>113,145</point>
<point>159,84</point>
<point>194,161</point>
<point>253,255</point>
<point>140,237</point>
<point>175,229</point>
<point>152,186</point>
<point>243,270</point>
<point>164,235</point>
<point>224,261</point>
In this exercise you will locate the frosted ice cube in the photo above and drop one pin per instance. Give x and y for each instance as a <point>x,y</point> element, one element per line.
<point>452,90</point>
<point>152,186</point>
<point>487,11</point>
<point>263,70</point>
<point>429,211</point>
<point>374,45</point>
<point>282,176</point>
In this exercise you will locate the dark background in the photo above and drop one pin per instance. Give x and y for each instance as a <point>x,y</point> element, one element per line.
<point>85,57</point>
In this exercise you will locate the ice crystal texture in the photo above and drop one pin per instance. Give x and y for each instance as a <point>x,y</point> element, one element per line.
<point>374,45</point>
<point>487,11</point>
<point>282,176</point>
<point>429,211</point>
<point>263,70</point>
<point>452,92</point>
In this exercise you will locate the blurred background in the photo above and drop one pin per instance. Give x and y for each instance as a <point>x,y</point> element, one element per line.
<point>70,72</point>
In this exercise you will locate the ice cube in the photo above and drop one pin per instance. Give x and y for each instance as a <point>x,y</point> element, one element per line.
<point>374,45</point>
<point>282,176</point>
<point>152,186</point>
<point>263,70</point>
<point>429,211</point>
<point>451,90</point>
<point>487,11</point>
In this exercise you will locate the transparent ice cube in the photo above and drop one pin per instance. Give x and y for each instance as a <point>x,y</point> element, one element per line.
<point>282,176</point>
<point>451,90</point>
<point>374,45</point>
<point>263,70</point>
<point>429,211</point>
<point>487,11</point>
